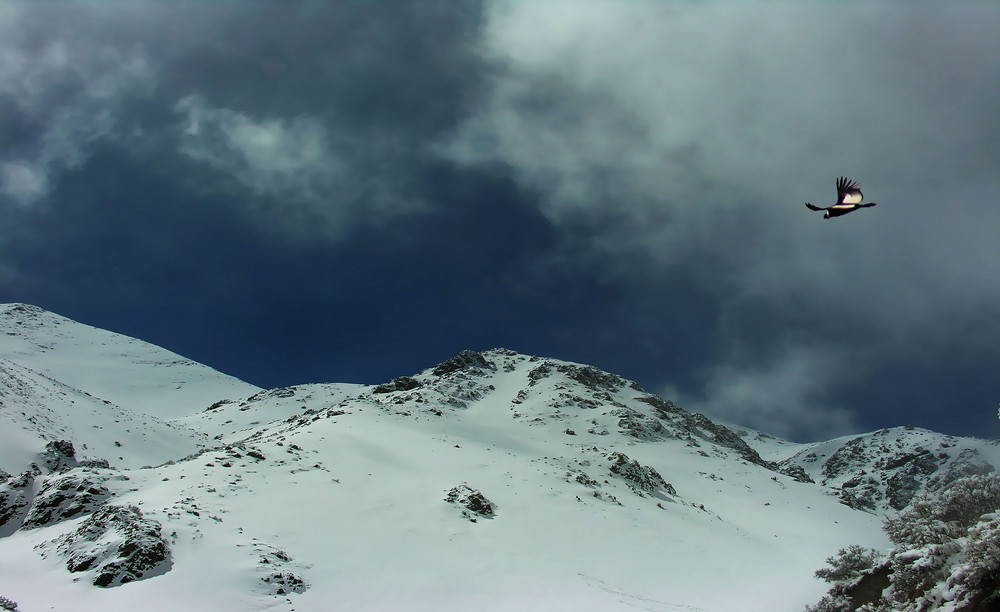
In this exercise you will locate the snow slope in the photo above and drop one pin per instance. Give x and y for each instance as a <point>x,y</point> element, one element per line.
<point>35,409</point>
<point>495,480</point>
<point>128,372</point>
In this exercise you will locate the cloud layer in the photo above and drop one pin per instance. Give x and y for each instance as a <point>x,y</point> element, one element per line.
<point>629,177</point>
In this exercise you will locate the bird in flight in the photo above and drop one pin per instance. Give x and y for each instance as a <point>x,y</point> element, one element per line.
<point>849,198</point>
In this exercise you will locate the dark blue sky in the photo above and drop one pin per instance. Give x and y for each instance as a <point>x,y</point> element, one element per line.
<point>297,192</point>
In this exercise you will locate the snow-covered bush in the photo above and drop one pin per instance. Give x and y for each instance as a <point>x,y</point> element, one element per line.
<point>849,563</point>
<point>8,604</point>
<point>931,520</point>
<point>947,556</point>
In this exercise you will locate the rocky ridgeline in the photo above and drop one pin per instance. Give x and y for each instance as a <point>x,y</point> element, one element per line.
<point>19,318</point>
<point>886,469</point>
<point>450,385</point>
<point>566,391</point>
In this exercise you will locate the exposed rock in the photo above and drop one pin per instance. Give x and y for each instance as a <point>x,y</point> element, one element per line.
<point>797,473</point>
<point>641,426</point>
<point>285,582</point>
<point>66,496</point>
<point>218,404</point>
<point>59,455</point>
<point>403,383</point>
<point>861,493</point>
<point>474,503</point>
<point>591,377</point>
<point>588,376</point>
<point>640,478</point>
<point>15,500</point>
<point>671,421</point>
<point>583,478</point>
<point>117,544</point>
<point>279,574</point>
<point>279,392</point>
<point>465,360</point>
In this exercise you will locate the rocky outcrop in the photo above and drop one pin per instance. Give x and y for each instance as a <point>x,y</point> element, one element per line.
<point>403,383</point>
<point>473,504</point>
<point>16,494</point>
<point>59,455</point>
<point>116,545</point>
<point>640,478</point>
<point>465,360</point>
<point>66,496</point>
<point>671,421</point>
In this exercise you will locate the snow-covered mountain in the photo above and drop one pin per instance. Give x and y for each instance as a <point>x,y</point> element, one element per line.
<point>493,480</point>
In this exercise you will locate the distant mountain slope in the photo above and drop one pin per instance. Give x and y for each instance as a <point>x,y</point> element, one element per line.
<point>128,372</point>
<point>884,470</point>
<point>35,410</point>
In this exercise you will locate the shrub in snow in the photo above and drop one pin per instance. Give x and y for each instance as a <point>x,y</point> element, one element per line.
<point>8,604</point>
<point>849,563</point>
<point>976,579</point>
<point>118,544</point>
<point>857,576</point>
<point>947,556</point>
<point>931,520</point>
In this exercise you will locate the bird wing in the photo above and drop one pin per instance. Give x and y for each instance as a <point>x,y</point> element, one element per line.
<point>813,207</point>
<point>848,192</point>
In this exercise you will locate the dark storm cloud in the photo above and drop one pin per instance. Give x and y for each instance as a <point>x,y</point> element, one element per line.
<point>317,112</point>
<point>616,183</point>
<point>687,137</point>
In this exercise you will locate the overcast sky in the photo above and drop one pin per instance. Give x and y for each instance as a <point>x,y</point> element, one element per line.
<point>299,192</point>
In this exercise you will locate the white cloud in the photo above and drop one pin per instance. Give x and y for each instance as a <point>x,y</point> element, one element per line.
<point>22,182</point>
<point>270,156</point>
<point>76,88</point>
<point>314,184</point>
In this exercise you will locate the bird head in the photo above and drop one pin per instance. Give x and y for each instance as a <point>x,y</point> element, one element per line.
<point>826,215</point>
